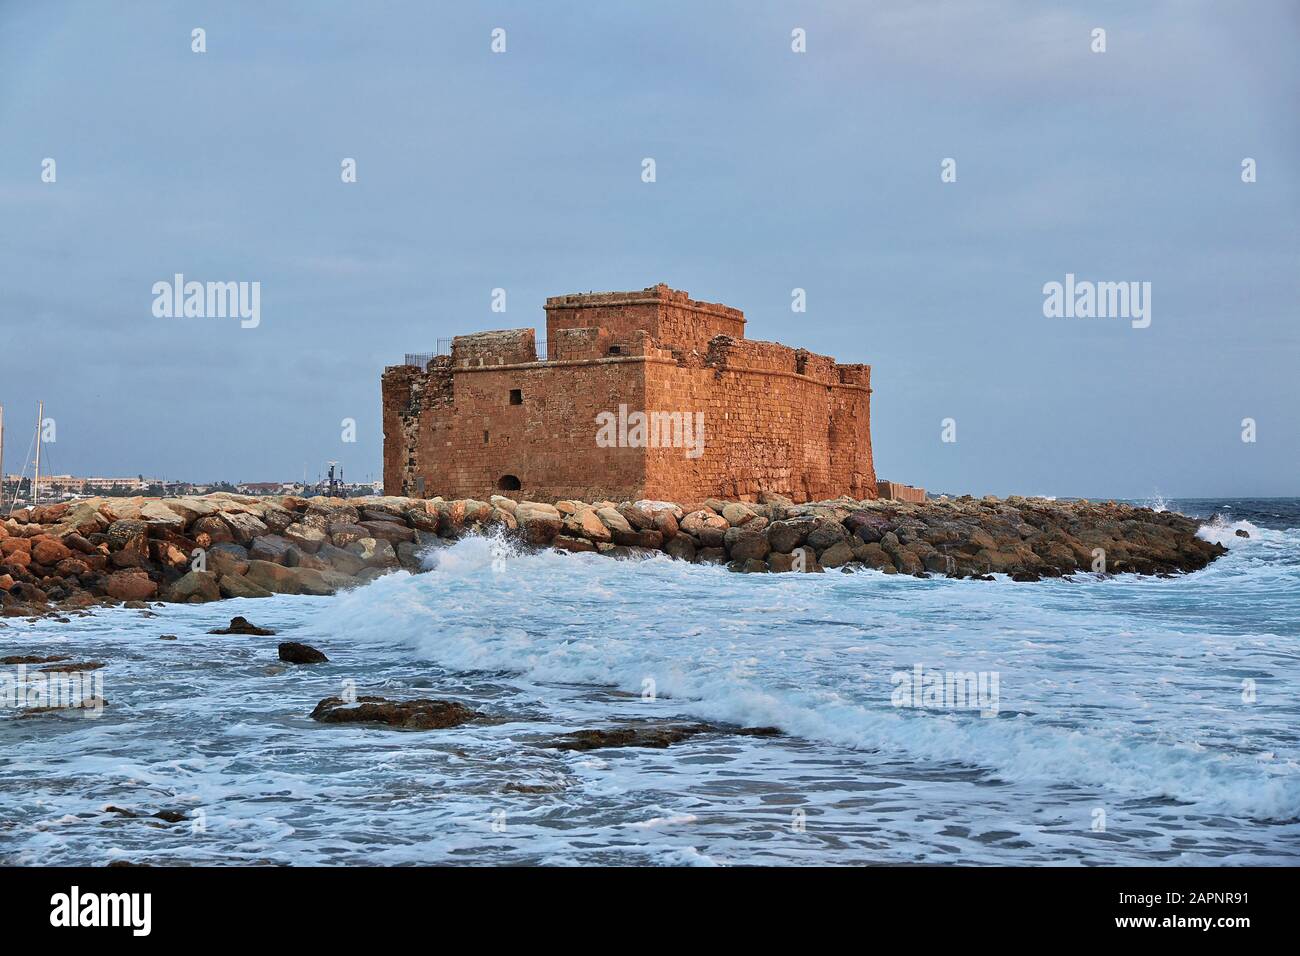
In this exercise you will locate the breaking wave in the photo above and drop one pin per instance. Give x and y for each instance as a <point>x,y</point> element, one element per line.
<point>1094,674</point>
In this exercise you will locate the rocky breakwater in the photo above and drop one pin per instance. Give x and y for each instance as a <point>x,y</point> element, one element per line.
<point>196,549</point>
<point>1025,538</point>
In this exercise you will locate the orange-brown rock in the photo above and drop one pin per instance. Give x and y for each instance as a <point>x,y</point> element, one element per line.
<point>130,586</point>
<point>17,561</point>
<point>49,552</point>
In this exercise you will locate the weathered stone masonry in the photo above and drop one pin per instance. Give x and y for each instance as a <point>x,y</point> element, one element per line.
<point>491,418</point>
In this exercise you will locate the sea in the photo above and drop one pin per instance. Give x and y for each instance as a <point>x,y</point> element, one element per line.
<point>1082,721</point>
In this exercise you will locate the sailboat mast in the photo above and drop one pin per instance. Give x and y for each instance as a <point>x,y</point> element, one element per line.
<point>2,457</point>
<point>36,482</point>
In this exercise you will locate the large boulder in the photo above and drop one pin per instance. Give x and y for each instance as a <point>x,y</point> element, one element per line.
<point>874,556</point>
<point>237,586</point>
<point>194,587</point>
<point>714,536</point>
<point>743,544</point>
<point>585,523</point>
<point>907,561</point>
<point>78,542</point>
<point>612,520</point>
<point>276,518</point>
<point>697,521</point>
<point>190,509</point>
<point>321,583</point>
<point>341,560</point>
<point>269,547</point>
<point>82,518</point>
<point>48,551</point>
<point>227,558</point>
<point>274,577</point>
<point>374,552</point>
<point>785,536</point>
<point>344,533</point>
<point>297,558</point>
<point>158,515</point>
<point>837,555</point>
<point>72,567</point>
<point>408,556</point>
<point>16,561</point>
<point>653,507</point>
<point>866,526</point>
<point>737,513</point>
<point>119,509</point>
<point>305,537</point>
<point>393,531</point>
<point>212,529</point>
<point>174,553</point>
<point>681,547</point>
<point>128,540</point>
<point>245,527</point>
<point>649,539</point>
<point>639,518</point>
<point>539,522</point>
<point>422,520</point>
<point>826,534</point>
<point>293,652</point>
<point>779,562</point>
<point>28,593</point>
<point>130,586</point>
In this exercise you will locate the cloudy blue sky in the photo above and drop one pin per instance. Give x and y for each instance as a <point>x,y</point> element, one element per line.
<point>775,170</point>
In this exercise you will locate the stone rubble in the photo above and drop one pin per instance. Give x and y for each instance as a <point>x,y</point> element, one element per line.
<point>76,555</point>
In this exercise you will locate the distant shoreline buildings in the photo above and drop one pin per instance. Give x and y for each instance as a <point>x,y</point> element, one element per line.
<point>74,486</point>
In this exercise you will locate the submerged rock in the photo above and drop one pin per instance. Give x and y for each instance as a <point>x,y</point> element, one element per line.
<point>419,714</point>
<point>69,668</point>
<point>293,652</point>
<point>241,625</point>
<point>657,736</point>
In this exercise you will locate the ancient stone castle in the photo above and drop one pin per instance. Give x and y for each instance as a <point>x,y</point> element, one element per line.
<point>644,394</point>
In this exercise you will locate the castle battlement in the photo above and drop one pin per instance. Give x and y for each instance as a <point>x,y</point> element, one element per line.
<point>495,416</point>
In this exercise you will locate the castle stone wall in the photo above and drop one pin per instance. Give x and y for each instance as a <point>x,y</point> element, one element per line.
<point>775,418</point>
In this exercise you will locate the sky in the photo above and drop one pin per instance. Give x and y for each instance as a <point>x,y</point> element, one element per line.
<point>775,170</point>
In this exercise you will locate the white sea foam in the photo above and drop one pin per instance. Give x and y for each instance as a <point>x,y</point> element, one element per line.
<point>1220,531</point>
<point>1127,694</point>
<point>786,651</point>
